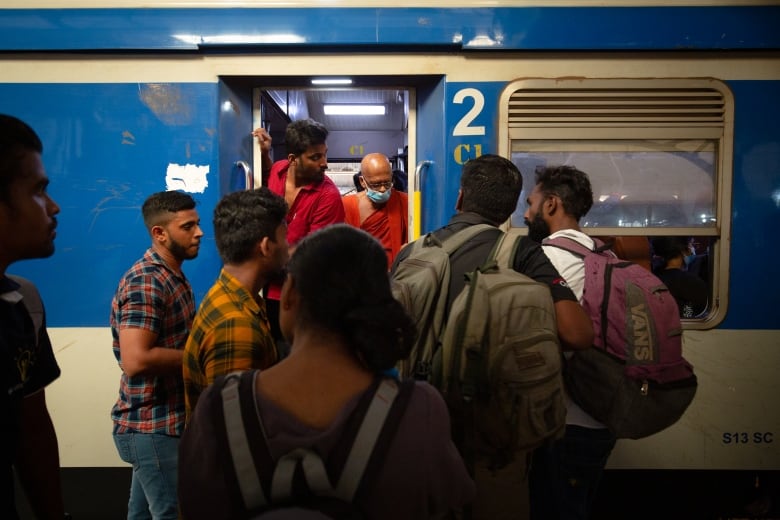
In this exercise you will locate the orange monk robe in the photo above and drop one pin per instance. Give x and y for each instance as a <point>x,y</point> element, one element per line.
<point>389,224</point>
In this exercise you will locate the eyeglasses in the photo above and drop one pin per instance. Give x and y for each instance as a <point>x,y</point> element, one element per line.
<point>376,185</point>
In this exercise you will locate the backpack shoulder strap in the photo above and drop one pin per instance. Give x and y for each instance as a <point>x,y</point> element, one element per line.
<point>451,243</point>
<point>504,250</point>
<point>570,245</point>
<point>242,422</point>
<point>454,241</point>
<point>377,430</point>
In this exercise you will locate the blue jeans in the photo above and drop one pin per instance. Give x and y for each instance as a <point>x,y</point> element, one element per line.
<point>155,463</point>
<point>565,474</point>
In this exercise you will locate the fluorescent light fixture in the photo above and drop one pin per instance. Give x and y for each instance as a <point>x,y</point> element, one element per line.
<point>240,39</point>
<point>354,110</point>
<point>331,81</point>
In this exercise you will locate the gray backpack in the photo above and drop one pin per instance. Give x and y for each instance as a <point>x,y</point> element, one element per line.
<point>302,484</point>
<point>421,283</point>
<point>496,357</point>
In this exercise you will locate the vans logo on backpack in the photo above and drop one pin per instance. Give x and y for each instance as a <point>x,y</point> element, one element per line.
<point>639,334</point>
<point>642,348</point>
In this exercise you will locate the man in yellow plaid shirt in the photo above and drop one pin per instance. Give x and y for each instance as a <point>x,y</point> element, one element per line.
<point>231,330</point>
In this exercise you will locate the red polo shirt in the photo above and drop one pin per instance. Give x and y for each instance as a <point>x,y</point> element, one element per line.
<point>317,205</point>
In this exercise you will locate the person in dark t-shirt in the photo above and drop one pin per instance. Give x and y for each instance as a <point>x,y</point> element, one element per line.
<point>490,186</point>
<point>27,364</point>
<point>688,290</point>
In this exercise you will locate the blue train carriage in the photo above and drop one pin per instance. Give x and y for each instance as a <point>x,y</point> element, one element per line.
<point>672,110</point>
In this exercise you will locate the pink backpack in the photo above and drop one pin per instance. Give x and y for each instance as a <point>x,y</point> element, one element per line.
<point>634,379</point>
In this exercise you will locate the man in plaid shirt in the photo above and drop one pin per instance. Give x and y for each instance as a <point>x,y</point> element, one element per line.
<point>231,330</point>
<point>151,316</point>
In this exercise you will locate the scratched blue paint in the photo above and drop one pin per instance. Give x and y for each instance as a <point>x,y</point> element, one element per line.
<point>106,148</point>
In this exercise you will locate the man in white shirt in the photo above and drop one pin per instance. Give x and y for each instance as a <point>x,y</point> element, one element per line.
<point>565,474</point>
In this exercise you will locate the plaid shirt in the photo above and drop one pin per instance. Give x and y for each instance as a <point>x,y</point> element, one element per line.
<point>230,333</point>
<point>152,296</point>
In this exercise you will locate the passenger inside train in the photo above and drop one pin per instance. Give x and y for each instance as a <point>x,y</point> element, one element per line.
<point>689,290</point>
<point>379,208</point>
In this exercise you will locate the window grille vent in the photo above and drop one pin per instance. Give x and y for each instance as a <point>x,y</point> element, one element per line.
<point>610,107</point>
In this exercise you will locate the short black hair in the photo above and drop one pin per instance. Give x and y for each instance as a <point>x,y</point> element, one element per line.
<point>670,247</point>
<point>491,185</point>
<point>159,208</point>
<point>16,140</point>
<point>244,218</point>
<point>302,134</point>
<point>569,184</point>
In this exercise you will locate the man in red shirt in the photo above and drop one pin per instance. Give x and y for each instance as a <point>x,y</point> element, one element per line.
<point>313,199</point>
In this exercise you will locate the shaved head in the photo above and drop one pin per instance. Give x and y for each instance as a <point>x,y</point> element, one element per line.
<point>375,164</point>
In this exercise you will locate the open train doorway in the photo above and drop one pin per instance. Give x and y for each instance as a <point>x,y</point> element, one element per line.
<point>359,121</point>
<point>410,132</point>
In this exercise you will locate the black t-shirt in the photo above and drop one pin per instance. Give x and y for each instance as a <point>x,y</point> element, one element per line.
<point>689,290</point>
<point>27,364</point>
<point>530,259</point>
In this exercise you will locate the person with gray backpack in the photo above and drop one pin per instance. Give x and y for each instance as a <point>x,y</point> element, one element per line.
<point>329,431</point>
<point>485,305</point>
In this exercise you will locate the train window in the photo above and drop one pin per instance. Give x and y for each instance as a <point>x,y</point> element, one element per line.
<point>632,186</point>
<point>657,151</point>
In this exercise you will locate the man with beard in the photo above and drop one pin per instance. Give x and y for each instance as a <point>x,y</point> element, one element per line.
<point>151,316</point>
<point>313,199</point>
<point>231,330</point>
<point>27,364</point>
<point>565,473</point>
<point>490,186</point>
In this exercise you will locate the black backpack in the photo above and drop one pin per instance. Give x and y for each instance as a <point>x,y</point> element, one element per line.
<point>300,484</point>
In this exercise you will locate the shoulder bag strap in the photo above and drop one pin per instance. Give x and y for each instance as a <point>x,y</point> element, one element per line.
<point>453,242</point>
<point>568,244</point>
<point>369,450</point>
<point>238,420</point>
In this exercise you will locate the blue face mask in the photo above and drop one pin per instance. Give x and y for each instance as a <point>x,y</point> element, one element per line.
<point>688,259</point>
<point>378,196</point>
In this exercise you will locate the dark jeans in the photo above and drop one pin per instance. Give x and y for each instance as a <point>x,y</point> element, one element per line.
<point>565,474</point>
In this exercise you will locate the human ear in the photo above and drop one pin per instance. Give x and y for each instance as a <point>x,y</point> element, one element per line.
<point>551,204</point>
<point>158,233</point>
<point>263,247</point>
